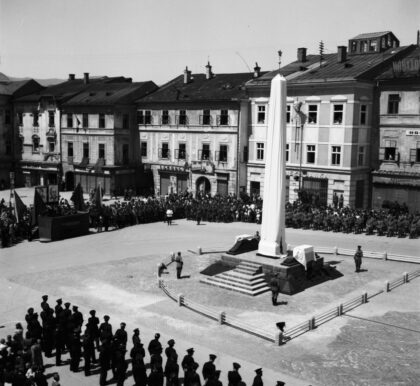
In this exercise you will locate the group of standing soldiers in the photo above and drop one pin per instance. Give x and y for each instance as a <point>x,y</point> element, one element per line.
<point>61,330</point>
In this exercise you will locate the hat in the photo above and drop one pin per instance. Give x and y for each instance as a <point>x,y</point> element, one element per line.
<point>157,335</point>
<point>359,246</point>
<point>212,357</point>
<point>236,366</point>
<point>92,312</point>
<point>171,342</point>
<point>45,297</point>
<point>136,330</point>
<point>30,310</point>
<point>67,304</point>
<point>59,301</point>
<point>280,383</point>
<point>190,350</point>
<point>75,307</point>
<point>258,371</point>
<point>122,324</point>
<point>106,317</point>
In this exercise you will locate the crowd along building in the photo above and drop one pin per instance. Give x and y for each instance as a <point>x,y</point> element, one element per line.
<point>193,133</point>
<point>332,129</point>
<point>396,177</point>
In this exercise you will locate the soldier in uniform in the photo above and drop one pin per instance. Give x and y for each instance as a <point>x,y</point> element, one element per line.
<point>234,378</point>
<point>358,258</point>
<point>120,365</point>
<point>121,335</point>
<point>274,286</point>
<point>75,352</point>
<point>139,368</point>
<point>105,329</point>
<point>188,362</point>
<point>88,351</point>
<point>191,377</point>
<point>136,337</point>
<point>48,325</point>
<point>58,308</point>
<point>155,347</point>
<point>258,378</point>
<point>179,265</point>
<point>93,327</point>
<point>44,301</point>
<point>104,361</point>
<point>77,318</point>
<point>209,368</point>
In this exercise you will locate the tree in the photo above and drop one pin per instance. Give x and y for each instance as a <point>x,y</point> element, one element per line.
<point>77,198</point>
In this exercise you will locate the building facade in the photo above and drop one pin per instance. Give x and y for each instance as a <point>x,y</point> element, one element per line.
<point>100,140</point>
<point>396,177</point>
<point>193,133</point>
<point>331,127</point>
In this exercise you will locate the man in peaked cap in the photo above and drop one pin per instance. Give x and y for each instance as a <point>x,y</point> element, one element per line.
<point>258,378</point>
<point>44,301</point>
<point>234,378</point>
<point>170,352</point>
<point>136,337</point>
<point>209,368</point>
<point>188,362</point>
<point>77,317</point>
<point>105,329</point>
<point>58,308</point>
<point>155,347</point>
<point>93,327</point>
<point>121,335</point>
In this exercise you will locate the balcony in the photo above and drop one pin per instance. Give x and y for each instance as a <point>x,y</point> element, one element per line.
<point>223,120</point>
<point>164,153</point>
<point>182,120</point>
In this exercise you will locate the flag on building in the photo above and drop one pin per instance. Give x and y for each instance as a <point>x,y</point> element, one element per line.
<point>20,208</point>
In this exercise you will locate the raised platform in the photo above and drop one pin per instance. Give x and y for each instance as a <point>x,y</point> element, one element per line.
<point>267,264</point>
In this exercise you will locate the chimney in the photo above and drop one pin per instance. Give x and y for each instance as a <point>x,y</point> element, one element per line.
<point>418,38</point>
<point>257,70</point>
<point>187,76</point>
<point>209,74</point>
<point>341,54</point>
<point>301,54</point>
<point>86,77</point>
<point>71,76</point>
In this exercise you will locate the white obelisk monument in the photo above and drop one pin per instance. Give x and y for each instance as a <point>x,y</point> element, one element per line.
<point>273,243</point>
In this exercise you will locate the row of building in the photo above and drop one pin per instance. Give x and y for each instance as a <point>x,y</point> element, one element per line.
<point>353,128</point>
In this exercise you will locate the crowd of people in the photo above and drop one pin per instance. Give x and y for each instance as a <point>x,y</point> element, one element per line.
<point>64,329</point>
<point>393,221</point>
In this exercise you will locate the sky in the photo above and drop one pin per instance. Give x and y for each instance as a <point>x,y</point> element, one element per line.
<point>156,39</point>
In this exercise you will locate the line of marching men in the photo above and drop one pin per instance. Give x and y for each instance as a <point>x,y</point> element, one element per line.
<point>61,331</point>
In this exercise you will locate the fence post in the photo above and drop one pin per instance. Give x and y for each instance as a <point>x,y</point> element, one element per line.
<point>364,298</point>
<point>405,275</point>
<point>335,250</point>
<point>180,300</point>
<point>200,251</point>
<point>279,338</point>
<point>222,316</point>
<point>385,256</point>
<point>387,286</point>
<point>311,323</point>
<point>340,310</point>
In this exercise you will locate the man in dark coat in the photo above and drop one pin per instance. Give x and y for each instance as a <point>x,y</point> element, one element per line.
<point>136,337</point>
<point>258,378</point>
<point>172,368</point>
<point>93,326</point>
<point>191,376</point>
<point>209,368</point>
<point>234,378</point>
<point>77,318</point>
<point>48,327</point>
<point>120,365</point>
<point>75,352</point>
<point>121,335</point>
<point>105,329</point>
<point>155,347</point>
<point>139,368</point>
<point>358,258</point>
<point>274,286</point>
<point>104,361</point>
<point>87,352</point>
<point>58,308</point>
<point>187,363</point>
<point>44,301</point>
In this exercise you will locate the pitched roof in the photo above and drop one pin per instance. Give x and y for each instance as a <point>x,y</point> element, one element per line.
<point>10,87</point>
<point>355,67</point>
<point>4,78</point>
<point>219,87</point>
<point>408,68</point>
<point>371,35</point>
<point>112,93</point>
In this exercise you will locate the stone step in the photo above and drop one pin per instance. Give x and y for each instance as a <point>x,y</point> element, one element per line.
<point>249,268</point>
<point>237,284</point>
<point>246,271</point>
<point>253,292</point>
<point>235,279</point>
<point>249,264</point>
<point>239,275</point>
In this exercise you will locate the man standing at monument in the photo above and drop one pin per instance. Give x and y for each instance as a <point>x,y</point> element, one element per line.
<point>274,286</point>
<point>358,258</point>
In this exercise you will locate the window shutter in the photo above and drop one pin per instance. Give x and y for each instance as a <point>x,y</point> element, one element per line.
<point>381,153</point>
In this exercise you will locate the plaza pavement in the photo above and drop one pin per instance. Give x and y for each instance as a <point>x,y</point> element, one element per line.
<point>115,273</point>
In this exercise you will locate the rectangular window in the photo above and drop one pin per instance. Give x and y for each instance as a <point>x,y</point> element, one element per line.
<point>85,120</point>
<point>363,114</point>
<point>223,153</point>
<point>35,144</point>
<point>223,118</point>
<point>36,120</point>
<point>143,149</point>
<point>310,154</point>
<point>101,150</point>
<point>51,146</point>
<point>260,151</point>
<point>140,117</point>
<point>336,155</point>
<point>372,45</point>
<point>205,118</point>
<point>69,120</point>
<point>182,151</point>
<point>393,103</point>
<point>261,115</point>
<point>125,122</point>
<point>69,149</point>
<point>7,117</point>
<point>101,121</point>
<point>416,153</point>
<point>165,117</point>
<point>148,117</point>
<point>338,112</point>
<point>288,113</point>
<point>182,118</point>
<point>287,152</point>
<point>125,158</point>
<point>205,152</point>
<point>312,114</point>
<point>390,150</point>
<point>86,150</point>
<point>361,156</point>
<point>51,120</point>
<point>165,150</point>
